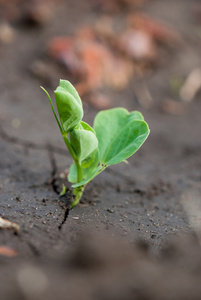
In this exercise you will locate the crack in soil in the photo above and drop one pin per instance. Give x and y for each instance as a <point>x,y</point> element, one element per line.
<point>54,169</point>
<point>28,144</point>
<point>65,198</point>
<point>51,151</point>
<point>66,214</point>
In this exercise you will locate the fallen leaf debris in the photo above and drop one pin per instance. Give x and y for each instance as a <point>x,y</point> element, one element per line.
<point>5,224</point>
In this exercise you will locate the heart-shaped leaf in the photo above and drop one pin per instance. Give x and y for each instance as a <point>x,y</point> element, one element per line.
<point>120,134</point>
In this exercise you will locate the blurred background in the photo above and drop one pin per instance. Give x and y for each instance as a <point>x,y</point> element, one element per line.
<point>138,54</point>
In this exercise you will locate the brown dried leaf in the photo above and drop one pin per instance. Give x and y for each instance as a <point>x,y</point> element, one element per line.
<point>117,72</point>
<point>157,30</point>
<point>138,45</point>
<point>7,251</point>
<point>90,61</point>
<point>97,56</point>
<point>94,57</point>
<point>63,50</point>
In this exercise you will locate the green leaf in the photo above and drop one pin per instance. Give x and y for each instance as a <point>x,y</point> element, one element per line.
<point>120,134</point>
<point>63,190</point>
<point>72,175</point>
<point>66,85</point>
<point>94,156</point>
<point>86,163</point>
<point>97,171</point>
<point>87,127</point>
<point>86,172</point>
<point>135,115</point>
<point>69,105</point>
<point>83,142</point>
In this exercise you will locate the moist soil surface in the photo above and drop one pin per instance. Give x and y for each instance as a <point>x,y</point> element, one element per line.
<point>135,234</point>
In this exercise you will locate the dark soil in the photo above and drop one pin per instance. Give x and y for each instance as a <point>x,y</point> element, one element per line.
<point>135,234</point>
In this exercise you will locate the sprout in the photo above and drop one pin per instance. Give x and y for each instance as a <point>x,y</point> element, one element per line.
<point>117,135</point>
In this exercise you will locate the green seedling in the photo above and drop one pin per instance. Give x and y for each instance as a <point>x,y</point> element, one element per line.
<point>116,135</point>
